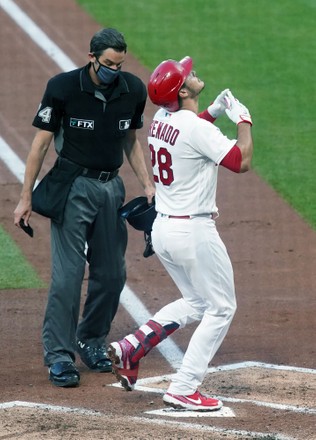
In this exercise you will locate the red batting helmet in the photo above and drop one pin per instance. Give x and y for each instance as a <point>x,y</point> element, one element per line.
<point>166,81</point>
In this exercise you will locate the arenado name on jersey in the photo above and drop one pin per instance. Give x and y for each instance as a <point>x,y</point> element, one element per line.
<point>163,131</point>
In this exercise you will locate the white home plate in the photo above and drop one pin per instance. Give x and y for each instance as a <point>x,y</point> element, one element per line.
<point>171,412</point>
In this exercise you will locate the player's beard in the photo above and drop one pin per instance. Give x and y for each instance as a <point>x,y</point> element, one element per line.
<point>194,93</point>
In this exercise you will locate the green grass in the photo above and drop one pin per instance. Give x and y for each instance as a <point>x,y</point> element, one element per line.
<point>264,51</point>
<point>16,272</point>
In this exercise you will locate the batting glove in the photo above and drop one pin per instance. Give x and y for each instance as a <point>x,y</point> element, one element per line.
<point>236,111</point>
<point>218,107</point>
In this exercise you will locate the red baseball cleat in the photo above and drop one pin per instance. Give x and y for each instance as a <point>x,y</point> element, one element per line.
<point>123,367</point>
<point>193,402</point>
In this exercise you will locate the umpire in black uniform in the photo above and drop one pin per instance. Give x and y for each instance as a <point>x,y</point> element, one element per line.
<point>93,113</point>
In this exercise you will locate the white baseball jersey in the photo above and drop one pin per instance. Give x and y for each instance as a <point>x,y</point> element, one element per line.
<point>185,153</point>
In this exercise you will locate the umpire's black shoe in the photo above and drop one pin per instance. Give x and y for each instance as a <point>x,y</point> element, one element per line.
<point>94,357</point>
<point>64,374</point>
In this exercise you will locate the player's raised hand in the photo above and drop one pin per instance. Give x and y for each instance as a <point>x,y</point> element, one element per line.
<point>236,111</point>
<point>218,107</point>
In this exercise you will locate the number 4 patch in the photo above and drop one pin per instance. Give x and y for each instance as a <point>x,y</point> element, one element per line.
<point>45,114</point>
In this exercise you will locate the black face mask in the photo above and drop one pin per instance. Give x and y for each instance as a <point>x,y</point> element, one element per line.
<point>105,74</point>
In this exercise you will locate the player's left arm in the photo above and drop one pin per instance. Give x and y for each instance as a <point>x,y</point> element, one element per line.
<point>135,156</point>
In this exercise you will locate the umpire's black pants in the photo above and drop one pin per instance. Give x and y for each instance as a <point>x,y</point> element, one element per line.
<point>91,216</point>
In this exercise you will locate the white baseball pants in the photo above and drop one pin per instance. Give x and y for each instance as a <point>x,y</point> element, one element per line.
<point>194,255</point>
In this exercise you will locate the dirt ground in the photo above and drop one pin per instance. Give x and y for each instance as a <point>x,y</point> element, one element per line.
<point>273,253</point>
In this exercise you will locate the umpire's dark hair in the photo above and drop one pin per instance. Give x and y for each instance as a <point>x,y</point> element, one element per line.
<point>105,39</point>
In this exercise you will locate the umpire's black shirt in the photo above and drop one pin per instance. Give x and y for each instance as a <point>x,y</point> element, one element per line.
<point>90,123</point>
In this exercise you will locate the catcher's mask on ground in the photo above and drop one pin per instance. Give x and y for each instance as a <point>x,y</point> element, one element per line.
<point>166,81</point>
<point>139,214</point>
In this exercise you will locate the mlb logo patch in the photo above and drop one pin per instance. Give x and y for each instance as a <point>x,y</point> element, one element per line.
<point>124,124</point>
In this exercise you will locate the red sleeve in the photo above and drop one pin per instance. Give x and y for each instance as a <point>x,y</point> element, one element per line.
<point>205,115</point>
<point>232,160</point>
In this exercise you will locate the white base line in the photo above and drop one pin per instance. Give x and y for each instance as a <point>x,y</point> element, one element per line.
<point>231,367</point>
<point>250,364</point>
<point>12,160</point>
<point>169,350</point>
<point>277,406</point>
<point>144,421</point>
<point>37,35</point>
<point>203,428</point>
<point>141,385</point>
<point>64,409</point>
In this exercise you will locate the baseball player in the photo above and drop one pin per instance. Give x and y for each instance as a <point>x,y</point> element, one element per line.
<point>185,151</point>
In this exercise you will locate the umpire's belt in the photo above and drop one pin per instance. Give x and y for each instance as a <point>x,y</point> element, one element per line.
<point>102,176</point>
